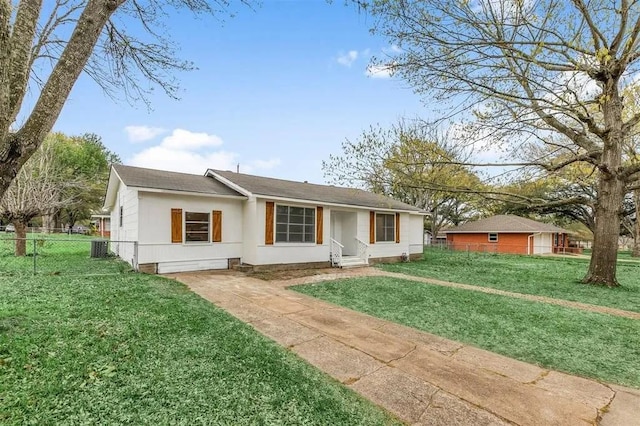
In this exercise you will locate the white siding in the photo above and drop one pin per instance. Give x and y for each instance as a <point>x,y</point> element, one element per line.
<point>252,238</point>
<point>128,199</point>
<point>416,233</point>
<point>279,253</point>
<point>147,219</point>
<point>155,232</point>
<point>408,229</point>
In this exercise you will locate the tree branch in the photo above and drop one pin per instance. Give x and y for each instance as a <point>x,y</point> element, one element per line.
<point>5,76</point>
<point>24,30</point>
<point>65,73</point>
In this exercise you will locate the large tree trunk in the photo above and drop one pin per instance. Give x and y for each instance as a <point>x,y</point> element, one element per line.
<point>11,160</point>
<point>635,252</point>
<point>51,222</point>
<point>602,269</point>
<point>48,223</point>
<point>611,192</point>
<point>21,238</point>
<point>16,147</point>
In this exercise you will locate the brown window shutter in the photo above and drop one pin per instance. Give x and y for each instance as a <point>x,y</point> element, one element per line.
<point>372,227</point>
<point>216,229</point>
<point>397,227</point>
<point>268,232</point>
<point>319,225</point>
<point>176,225</point>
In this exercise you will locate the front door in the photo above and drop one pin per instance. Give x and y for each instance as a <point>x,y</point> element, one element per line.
<point>344,230</point>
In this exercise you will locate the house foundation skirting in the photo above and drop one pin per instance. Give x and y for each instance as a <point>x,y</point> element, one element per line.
<point>148,268</point>
<point>393,259</point>
<point>416,256</point>
<point>288,266</point>
<point>152,268</point>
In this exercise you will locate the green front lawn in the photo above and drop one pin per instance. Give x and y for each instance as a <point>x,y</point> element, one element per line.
<point>55,254</point>
<point>594,345</point>
<point>141,349</point>
<point>546,276</point>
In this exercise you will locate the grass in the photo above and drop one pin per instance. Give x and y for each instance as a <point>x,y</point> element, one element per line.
<point>55,254</point>
<point>141,349</point>
<point>546,276</point>
<point>594,345</point>
<point>626,255</point>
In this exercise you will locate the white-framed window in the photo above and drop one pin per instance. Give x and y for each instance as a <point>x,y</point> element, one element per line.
<point>196,227</point>
<point>385,227</point>
<point>493,238</point>
<point>120,214</point>
<point>295,224</point>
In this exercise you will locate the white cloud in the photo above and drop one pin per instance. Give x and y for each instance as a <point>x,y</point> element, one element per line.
<point>379,71</point>
<point>184,139</point>
<point>191,152</point>
<point>143,133</point>
<point>392,50</point>
<point>347,59</point>
<point>163,158</point>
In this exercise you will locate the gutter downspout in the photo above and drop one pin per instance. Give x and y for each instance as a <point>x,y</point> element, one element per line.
<point>529,246</point>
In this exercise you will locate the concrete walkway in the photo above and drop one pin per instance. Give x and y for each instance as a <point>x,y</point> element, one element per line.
<point>421,378</point>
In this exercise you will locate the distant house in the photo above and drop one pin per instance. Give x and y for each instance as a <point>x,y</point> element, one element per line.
<point>440,239</point>
<point>183,222</point>
<point>509,234</point>
<point>102,223</point>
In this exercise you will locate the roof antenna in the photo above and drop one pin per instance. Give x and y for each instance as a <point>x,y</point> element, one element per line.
<point>238,168</point>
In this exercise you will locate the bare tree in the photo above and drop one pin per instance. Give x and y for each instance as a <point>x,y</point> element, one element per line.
<point>45,46</point>
<point>524,70</point>
<point>38,188</point>
<point>413,163</point>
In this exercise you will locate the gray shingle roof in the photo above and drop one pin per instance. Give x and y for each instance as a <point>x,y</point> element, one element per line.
<point>160,179</point>
<point>506,223</point>
<point>312,192</point>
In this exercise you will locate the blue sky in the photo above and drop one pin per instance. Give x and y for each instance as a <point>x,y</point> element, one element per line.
<point>277,89</point>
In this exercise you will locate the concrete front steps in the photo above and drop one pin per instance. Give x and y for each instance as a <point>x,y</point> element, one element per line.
<point>353,262</point>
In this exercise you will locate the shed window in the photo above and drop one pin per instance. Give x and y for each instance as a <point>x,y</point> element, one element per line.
<point>295,224</point>
<point>196,227</point>
<point>385,227</point>
<point>493,238</point>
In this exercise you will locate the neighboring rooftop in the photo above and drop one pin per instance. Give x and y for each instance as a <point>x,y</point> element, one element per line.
<point>506,223</point>
<point>160,179</point>
<point>265,186</point>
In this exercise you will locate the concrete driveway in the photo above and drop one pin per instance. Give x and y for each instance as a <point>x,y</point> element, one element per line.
<point>421,378</point>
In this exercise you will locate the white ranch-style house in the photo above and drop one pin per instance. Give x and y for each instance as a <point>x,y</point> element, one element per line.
<point>183,222</point>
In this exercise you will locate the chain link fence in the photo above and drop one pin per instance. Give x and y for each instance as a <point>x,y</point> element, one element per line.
<point>57,254</point>
<point>502,248</point>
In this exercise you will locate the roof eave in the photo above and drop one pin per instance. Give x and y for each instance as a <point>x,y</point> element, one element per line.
<point>506,232</point>
<point>194,193</point>
<point>325,203</point>
<point>112,188</point>
<point>230,184</point>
